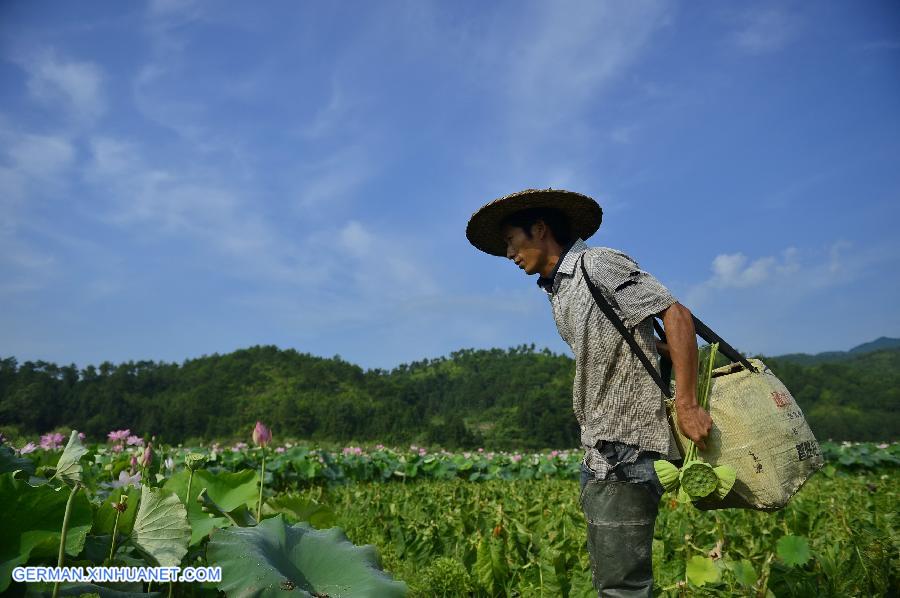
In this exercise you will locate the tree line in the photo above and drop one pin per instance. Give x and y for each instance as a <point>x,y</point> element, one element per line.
<point>516,398</point>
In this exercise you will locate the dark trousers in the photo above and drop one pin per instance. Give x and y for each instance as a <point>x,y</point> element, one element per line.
<point>621,510</point>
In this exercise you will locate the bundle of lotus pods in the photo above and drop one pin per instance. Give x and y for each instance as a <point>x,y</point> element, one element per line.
<point>697,479</point>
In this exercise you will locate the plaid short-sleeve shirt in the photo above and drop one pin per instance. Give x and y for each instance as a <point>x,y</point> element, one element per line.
<point>613,396</point>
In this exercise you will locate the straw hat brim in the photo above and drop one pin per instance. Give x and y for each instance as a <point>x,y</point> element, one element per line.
<point>483,231</point>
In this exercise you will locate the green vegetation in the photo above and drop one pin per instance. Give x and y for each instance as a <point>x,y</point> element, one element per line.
<point>837,537</point>
<point>466,524</point>
<point>518,398</point>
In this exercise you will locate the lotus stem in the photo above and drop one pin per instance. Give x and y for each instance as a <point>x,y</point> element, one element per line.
<point>63,534</point>
<point>262,481</point>
<point>187,496</point>
<point>112,546</point>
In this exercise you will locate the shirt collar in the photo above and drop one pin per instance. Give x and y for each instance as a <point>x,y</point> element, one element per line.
<point>565,265</point>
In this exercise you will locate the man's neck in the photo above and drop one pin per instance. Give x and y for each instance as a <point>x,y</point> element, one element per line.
<point>554,251</point>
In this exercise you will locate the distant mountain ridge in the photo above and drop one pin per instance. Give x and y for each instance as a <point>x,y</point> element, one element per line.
<point>879,344</point>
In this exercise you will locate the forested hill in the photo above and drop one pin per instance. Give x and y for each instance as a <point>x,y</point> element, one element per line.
<point>878,344</point>
<point>515,398</point>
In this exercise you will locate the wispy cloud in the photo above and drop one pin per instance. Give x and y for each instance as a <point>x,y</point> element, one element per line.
<point>74,86</point>
<point>762,31</point>
<point>333,177</point>
<point>571,55</point>
<point>41,156</point>
<point>137,193</point>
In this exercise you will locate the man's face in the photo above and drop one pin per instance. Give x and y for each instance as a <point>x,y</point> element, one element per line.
<point>529,253</point>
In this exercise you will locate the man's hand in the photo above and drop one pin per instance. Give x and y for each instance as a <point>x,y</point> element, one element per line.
<point>694,422</point>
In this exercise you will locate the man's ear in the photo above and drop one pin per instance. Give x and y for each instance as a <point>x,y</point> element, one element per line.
<point>539,230</point>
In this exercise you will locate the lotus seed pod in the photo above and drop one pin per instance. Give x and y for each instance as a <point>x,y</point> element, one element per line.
<point>667,474</point>
<point>698,479</point>
<point>195,461</point>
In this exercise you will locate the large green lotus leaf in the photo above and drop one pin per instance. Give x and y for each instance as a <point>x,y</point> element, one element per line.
<point>240,516</point>
<point>793,550</point>
<point>10,462</point>
<point>105,517</point>
<point>228,490</point>
<point>31,520</point>
<point>161,527</point>
<point>743,572</point>
<point>702,570</point>
<point>86,590</point>
<point>69,467</point>
<point>298,508</point>
<point>273,558</point>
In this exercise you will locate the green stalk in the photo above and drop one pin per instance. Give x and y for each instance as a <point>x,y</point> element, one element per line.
<point>112,547</point>
<point>63,534</point>
<point>188,495</point>
<point>262,481</point>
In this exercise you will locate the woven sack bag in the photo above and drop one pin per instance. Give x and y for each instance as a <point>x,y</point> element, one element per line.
<point>760,431</point>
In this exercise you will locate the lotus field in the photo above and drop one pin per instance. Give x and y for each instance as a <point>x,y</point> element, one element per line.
<point>379,521</point>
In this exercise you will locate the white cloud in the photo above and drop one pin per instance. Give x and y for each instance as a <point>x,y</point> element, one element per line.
<point>790,274</point>
<point>764,30</point>
<point>41,156</point>
<point>730,270</point>
<point>138,194</point>
<point>75,87</point>
<point>355,239</point>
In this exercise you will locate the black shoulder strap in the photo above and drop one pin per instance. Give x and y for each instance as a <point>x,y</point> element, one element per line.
<point>607,309</point>
<point>704,331</point>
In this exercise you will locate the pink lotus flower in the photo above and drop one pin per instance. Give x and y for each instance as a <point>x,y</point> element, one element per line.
<point>516,458</point>
<point>261,434</point>
<point>117,448</point>
<point>81,436</point>
<point>28,448</point>
<point>118,435</point>
<point>280,449</point>
<point>52,441</point>
<point>147,457</point>
<point>135,441</point>
<point>127,480</point>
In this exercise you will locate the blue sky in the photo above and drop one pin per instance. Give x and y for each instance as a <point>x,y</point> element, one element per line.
<point>183,178</point>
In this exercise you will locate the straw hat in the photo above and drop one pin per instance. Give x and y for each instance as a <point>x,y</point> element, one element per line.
<point>483,231</point>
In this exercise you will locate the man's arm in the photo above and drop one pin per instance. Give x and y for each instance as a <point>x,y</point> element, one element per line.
<point>694,422</point>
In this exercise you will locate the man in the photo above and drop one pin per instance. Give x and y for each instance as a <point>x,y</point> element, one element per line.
<point>619,407</point>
